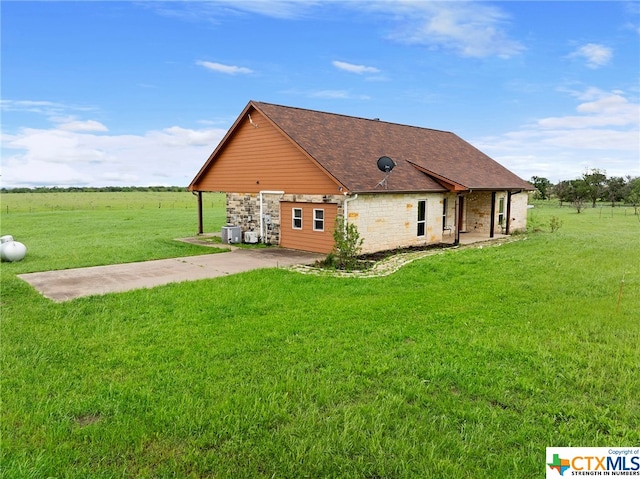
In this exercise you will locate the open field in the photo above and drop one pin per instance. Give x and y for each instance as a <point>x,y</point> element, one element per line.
<point>463,364</point>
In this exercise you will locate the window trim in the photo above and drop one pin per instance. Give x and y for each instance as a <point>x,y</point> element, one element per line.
<point>501,212</point>
<point>445,206</point>
<point>422,222</point>
<point>316,219</point>
<point>294,218</point>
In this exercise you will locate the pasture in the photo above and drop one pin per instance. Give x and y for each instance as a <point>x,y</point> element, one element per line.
<point>467,363</point>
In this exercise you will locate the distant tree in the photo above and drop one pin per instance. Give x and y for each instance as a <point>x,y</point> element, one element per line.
<point>615,189</point>
<point>595,181</point>
<point>579,193</point>
<point>543,185</point>
<point>632,192</point>
<point>563,191</point>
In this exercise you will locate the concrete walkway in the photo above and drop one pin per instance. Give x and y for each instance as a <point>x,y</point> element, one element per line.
<point>67,284</point>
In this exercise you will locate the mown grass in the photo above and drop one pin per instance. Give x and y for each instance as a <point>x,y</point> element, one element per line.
<point>65,230</point>
<point>464,364</point>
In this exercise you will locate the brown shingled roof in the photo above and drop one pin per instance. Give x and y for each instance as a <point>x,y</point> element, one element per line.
<point>349,147</point>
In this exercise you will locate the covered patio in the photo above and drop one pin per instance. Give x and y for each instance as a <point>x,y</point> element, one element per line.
<point>470,237</point>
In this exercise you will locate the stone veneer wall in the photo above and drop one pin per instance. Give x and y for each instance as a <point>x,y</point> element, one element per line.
<point>388,221</point>
<point>519,210</point>
<point>478,212</point>
<point>385,221</point>
<point>243,209</point>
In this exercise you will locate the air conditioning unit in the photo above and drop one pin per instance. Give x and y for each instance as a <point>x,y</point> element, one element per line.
<point>251,237</point>
<point>231,234</point>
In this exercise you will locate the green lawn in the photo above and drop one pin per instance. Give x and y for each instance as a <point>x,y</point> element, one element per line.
<point>464,364</point>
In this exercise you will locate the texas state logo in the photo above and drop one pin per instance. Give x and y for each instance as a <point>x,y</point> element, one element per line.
<point>592,461</point>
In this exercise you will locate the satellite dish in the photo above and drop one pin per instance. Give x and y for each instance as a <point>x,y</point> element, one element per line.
<point>385,164</point>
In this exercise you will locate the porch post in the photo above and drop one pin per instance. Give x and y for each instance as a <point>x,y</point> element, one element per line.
<point>506,231</point>
<point>492,222</point>
<point>200,227</point>
<point>456,241</point>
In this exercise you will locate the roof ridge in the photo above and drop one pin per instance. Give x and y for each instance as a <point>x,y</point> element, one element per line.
<point>377,120</point>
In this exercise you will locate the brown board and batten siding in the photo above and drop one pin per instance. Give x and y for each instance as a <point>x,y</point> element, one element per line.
<point>262,158</point>
<point>306,238</point>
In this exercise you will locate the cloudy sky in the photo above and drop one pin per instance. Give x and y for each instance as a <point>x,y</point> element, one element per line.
<point>139,93</point>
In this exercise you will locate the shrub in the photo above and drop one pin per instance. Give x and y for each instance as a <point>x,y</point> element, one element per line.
<point>347,246</point>
<point>555,223</point>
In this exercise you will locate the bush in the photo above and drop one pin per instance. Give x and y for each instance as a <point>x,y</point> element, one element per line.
<point>347,246</point>
<point>555,223</point>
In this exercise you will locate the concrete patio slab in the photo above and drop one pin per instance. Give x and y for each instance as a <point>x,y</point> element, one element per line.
<point>64,285</point>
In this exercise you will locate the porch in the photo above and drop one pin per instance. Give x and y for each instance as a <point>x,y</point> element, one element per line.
<point>449,237</point>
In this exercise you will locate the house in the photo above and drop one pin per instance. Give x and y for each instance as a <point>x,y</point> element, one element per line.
<point>288,173</point>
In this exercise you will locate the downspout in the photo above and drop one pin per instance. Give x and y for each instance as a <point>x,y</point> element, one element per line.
<point>346,209</point>
<point>265,192</point>
<point>199,195</point>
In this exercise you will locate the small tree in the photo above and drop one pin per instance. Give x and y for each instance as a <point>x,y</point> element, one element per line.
<point>579,193</point>
<point>348,245</point>
<point>563,191</point>
<point>615,189</point>
<point>555,223</point>
<point>595,181</point>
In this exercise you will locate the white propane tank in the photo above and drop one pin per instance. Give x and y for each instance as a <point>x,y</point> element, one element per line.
<point>11,250</point>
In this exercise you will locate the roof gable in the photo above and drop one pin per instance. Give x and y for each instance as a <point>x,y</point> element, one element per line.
<point>256,155</point>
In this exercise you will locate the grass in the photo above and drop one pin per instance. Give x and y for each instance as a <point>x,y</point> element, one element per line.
<point>65,230</point>
<point>464,364</point>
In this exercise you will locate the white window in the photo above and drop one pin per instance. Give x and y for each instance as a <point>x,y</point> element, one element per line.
<point>444,213</point>
<point>422,217</point>
<point>501,212</point>
<point>318,220</point>
<point>296,218</point>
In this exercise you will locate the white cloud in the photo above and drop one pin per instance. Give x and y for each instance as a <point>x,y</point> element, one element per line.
<point>212,10</point>
<point>337,95</point>
<point>596,55</point>
<point>351,68</point>
<point>226,69</point>
<point>63,157</point>
<point>76,125</point>
<point>49,108</point>
<point>470,29</point>
<point>603,134</point>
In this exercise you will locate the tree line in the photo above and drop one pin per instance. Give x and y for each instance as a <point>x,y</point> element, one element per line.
<point>591,187</point>
<point>92,189</point>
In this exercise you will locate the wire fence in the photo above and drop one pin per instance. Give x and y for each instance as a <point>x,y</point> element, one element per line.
<point>47,202</point>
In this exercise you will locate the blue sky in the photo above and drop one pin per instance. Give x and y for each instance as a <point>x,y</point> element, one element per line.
<point>140,93</point>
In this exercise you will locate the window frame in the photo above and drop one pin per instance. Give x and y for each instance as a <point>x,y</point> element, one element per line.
<point>316,219</point>
<point>445,206</point>
<point>421,223</point>
<point>294,218</point>
<point>501,212</point>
